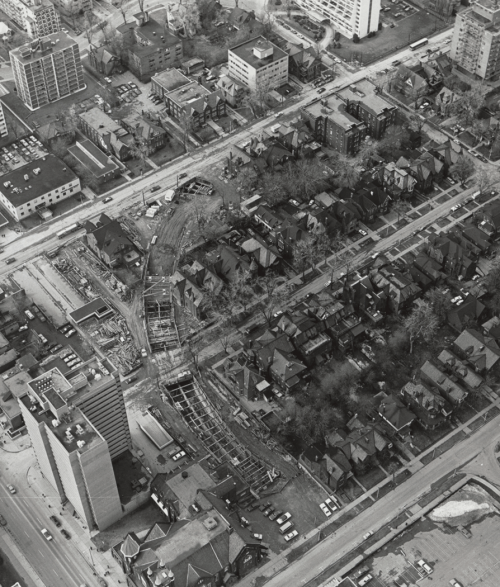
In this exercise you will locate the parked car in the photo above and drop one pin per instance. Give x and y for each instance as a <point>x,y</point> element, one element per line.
<point>11,488</point>
<point>56,521</point>
<point>325,510</point>
<point>47,534</point>
<point>282,519</point>
<point>321,90</point>
<point>367,535</point>
<point>367,578</point>
<point>257,536</point>
<point>275,515</point>
<point>424,566</point>
<point>264,506</point>
<point>66,534</point>
<point>108,199</point>
<point>70,332</point>
<point>182,175</point>
<point>331,505</point>
<point>3,521</point>
<point>455,583</point>
<point>362,232</point>
<point>293,534</point>
<point>267,512</point>
<point>23,328</point>
<point>179,455</point>
<point>11,260</point>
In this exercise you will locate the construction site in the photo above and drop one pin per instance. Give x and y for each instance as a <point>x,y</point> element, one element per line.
<point>187,396</point>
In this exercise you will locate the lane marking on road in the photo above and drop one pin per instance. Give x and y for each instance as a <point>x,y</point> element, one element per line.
<point>41,553</point>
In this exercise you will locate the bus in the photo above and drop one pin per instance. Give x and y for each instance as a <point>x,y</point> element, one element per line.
<point>418,44</point>
<point>68,230</point>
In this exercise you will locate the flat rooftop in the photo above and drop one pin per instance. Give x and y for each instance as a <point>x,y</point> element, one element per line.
<point>245,52</point>
<point>364,91</point>
<point>188,93</point>
<point>171,79</point>
<point>334,109</point>
<point>43,175</point>
<point>71,430</point>
<point>97,308</point>
<point>186,489</point>
<point>38,48</point>
<point>154,431</point>
<point>92,158</point>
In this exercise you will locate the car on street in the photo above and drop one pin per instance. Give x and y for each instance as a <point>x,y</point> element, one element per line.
<point>325,510</point>
<point>11,488</point>
<point>456,207</point>
<point>144,353</point>
<point>291,535</point>
<point>56,521</point>
<point>108,80</point>
<point>367,535</point>
<point>47,534</point>
<point>283,518</point>
<point>182,175</point>
<point>3,521</point>
<point>362,232</point>
<point>258,536</point>
<point>11,260</point>
<point>108,199</point>
<point>321,90</point>
<point>155,188</point>
<point>66,534</point>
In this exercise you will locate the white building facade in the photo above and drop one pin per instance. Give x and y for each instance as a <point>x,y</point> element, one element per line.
<point>38,17</point>
<point>349,17</point>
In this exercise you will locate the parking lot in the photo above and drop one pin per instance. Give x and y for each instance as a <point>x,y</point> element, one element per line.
<point>20,153</point>
<point>470,556</point>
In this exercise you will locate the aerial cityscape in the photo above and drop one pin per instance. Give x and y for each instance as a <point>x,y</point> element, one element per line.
<point>249,293</point>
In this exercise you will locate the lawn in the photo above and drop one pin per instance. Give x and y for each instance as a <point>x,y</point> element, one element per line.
<point>389,40</point>
<point>171,151</point>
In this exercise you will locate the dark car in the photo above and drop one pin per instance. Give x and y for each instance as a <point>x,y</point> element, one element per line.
<point>321,90</point>
<point>275,515</point>
<point>66,534</point>
<point>11,260</point>
<point>155,188</point>
<point>267,512</point>
<point>56,521</point>
<point>264,506</point>
<point>182,175</point>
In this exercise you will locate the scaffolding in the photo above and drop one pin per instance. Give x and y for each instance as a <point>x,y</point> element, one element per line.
<point>159,314</point>
<point>188,398</point>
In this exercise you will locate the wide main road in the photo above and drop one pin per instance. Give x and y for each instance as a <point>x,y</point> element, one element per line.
<point>349,536</point>
<point>57,562</point>
<point>44,237</point>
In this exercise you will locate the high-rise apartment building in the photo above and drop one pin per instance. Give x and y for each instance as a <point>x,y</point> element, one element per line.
<point>47,69</point>
<point>475,45</point>
<point>258,63</point>
<point>349,17</point>
<point>3,123</point>
<point>77,425</point>
<point>37,17</point>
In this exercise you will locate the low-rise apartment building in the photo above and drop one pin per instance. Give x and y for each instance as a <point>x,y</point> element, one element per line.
<point>37,185</point>
<point>107,134</point>
<point>258,64</point>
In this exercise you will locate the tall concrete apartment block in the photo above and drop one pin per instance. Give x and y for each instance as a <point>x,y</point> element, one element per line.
<point>47,69</point>
<point>349,17</point>
<point>475,44</point>
<point>37,17</point>
<point>3,123</point>
<point>78,425</point>
<point>258,62</point>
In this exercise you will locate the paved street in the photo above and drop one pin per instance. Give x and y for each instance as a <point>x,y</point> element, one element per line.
<point>476,453</point>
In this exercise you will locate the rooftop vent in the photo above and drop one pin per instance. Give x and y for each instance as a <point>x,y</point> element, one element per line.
<point>80,443</point>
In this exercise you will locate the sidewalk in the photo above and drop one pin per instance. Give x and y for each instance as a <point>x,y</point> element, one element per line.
<point>98,561</point>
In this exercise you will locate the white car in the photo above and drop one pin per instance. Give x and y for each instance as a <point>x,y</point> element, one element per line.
<point>457,300</point>
<point>11,488</point>
<point>108,80</point>
<point>257,536</point>
<point>47,534</point>
<point>331,505</point>
<point>282,519</point>
<point>455,583</point>
<point>362,232</point>
<point>179,455</point>
<point>368,534</point>
<point>424,566</point>
<point>365,580</point>
<point>325,510</point>
<point>291,535</point>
